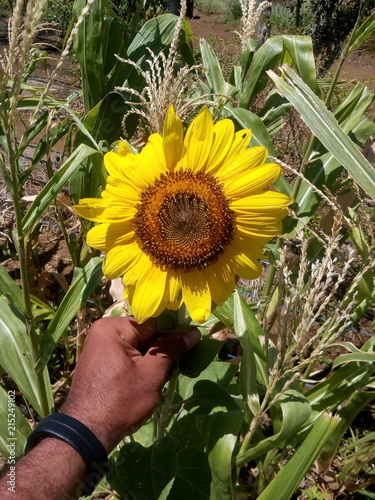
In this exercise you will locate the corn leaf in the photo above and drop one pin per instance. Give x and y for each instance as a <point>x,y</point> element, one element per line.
<point>295,412</point>
<point>362,33</point>
<point>83,285</point>
<point>22,427</point>
<point>268,56</point>
<point>347,413</point>
<point>10,289</point>
<point>326,128</point>
<point>287,480</point>
<point>88,46</point>
<point>340,385</point>
<point>54,186</point>
<point>301,52</point>
<point>16,357</point>
<point>248,330</point>
<point>212,67</point>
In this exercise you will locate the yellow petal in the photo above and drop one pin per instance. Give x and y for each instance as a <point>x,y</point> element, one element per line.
<point>253,181</point>
<point>104,210</point>
<point>222,142</point>
<point>247,267</point>
<point>172,139</point>
<point>196,295</point>
<point>198,141</point>
<point>123,149</point>
<point>148,294</point>
<point>265,231</point>
<point>247,159</point>
<point>119,259</point>
<point>138,270</point>
<point>241,141</point>
<point>263,203</point>
<point>221,280</point>
<point>118,188</point>
<point>150,163</point>
<point>172,295</point>
<point>117,164</point>
<point>105,236</point>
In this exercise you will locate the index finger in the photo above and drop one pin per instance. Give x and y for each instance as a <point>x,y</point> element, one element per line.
<point>130,332</point>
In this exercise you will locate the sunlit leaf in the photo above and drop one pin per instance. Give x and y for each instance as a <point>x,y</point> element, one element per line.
<point>21,427</point>
<point>17,359</point>
<point>325,127</point>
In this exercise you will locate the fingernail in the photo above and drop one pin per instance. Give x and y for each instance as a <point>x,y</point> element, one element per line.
<point>192,338</point>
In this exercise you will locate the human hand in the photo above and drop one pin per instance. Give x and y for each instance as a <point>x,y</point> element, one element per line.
<point>120,374</point>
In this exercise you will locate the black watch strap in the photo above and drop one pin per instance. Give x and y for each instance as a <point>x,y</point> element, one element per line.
<point>81,438</point>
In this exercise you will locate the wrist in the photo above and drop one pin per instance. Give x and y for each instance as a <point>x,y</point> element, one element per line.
<point>91,421</point>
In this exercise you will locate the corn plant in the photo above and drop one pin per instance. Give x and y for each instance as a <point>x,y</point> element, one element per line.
<point>253,427</point>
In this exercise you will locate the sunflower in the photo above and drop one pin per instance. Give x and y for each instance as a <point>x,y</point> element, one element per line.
<point>181,219</point>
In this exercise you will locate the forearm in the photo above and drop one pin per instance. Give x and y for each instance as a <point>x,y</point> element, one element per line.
<point>52,470</point>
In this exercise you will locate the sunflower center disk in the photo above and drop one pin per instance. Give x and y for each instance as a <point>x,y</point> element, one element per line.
<point>183,221</point>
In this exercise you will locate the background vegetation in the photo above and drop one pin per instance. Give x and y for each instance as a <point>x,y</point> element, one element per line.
<point>282,402</point>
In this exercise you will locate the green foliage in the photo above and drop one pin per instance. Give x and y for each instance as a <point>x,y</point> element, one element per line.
<point>230,418</point>
<point>59,12</point>
<point>284,17</point>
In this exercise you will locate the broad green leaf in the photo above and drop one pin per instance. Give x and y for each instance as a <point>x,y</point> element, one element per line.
<point>12,444</point>
<point>157,34</point>
<point>212,67</point>
<point>54,186</point>
<point>199,357</point>
<point>287,480</point>
<point>219,431</point>
<point>16,357</point>
<point>362,33</point>
<point>217,371</point>
<point>219,420</point>
<point>83,285</point>
<point>193,476</point>
<point>142,472</point>
<point>184,432</point>
<point>208,397</point>
<point>295,412</point>
<point>325,127</point>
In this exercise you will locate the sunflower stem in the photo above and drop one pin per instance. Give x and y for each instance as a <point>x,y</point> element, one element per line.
<point>165,411</point>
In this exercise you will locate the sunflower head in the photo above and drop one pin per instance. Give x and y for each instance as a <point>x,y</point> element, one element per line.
<point>181,219</point>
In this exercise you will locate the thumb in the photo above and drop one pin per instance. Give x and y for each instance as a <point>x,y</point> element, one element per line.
<point>167,351</point>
